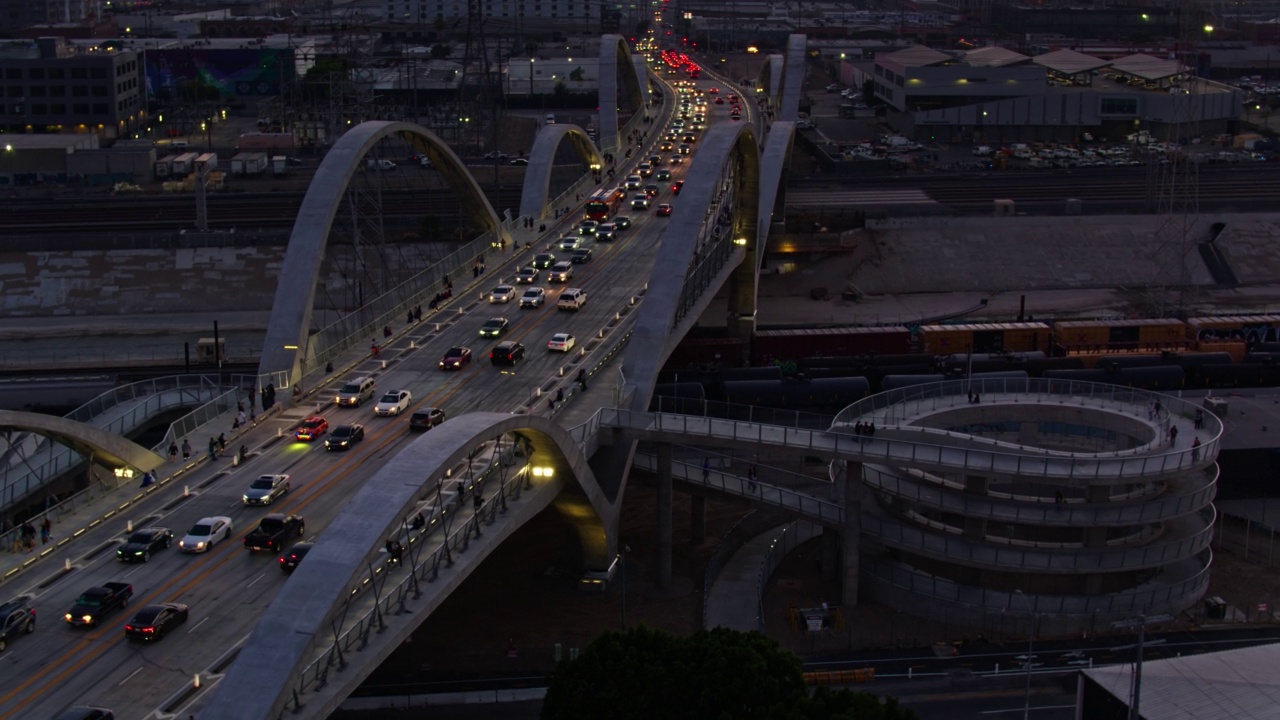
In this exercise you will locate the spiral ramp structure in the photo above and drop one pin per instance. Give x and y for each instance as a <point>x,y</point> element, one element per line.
<point>1076,510</point>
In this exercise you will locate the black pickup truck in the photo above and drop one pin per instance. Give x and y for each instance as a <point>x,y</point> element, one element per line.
<point>96,602</point>
<point>273,530</point>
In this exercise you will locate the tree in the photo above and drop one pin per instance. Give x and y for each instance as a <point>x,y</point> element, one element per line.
<point>577,75</point>
<point>720,674</point>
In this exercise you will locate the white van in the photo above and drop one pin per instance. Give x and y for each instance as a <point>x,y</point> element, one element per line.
<point>572,299</point>
<point>551,119</point>
<point>380,164</point>
<point>355,392</point>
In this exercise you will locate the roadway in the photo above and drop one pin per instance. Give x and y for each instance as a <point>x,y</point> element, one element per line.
<point>228,588</point>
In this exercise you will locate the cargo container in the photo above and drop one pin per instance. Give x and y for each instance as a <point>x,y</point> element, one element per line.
<point>1097,336</point>
<point>1252,330</point>
<point>696,352</point>
<point>207,161</point>
<point>249,163</point>
<point>279,165</point>
<point>164,166</point>
<point>183,164</point>
<point>985,338</point>
<point>791,345</point>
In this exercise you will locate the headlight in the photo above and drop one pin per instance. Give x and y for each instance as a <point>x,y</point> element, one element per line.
<point>200,545</point>
<point>68,617</point>
<point>87,618</point>
<point>138,552</point>
<point>245,498</point>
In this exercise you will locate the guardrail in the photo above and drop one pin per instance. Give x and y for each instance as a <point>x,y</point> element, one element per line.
<point>1089,469</point>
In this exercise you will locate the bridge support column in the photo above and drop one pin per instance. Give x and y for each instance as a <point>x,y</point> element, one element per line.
<point>663,563</point>
<point>851,532</point>
<point>697,520</point>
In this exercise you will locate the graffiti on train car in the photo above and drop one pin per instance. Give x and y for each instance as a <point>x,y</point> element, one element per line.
<point>1251,335</point>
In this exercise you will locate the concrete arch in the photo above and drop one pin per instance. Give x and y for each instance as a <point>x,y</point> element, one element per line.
<point>614,55</point>
<point>793,64</point>
<point>770,78</point>
<point>290,320</point>
<point>724,145</point>
<point>744,284</point>
<point>101,445</point>
<point>298,621</point>
<point>537,177</point>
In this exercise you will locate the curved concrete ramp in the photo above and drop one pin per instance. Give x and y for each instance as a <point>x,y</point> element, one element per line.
<point>290,321</point>
<point>792,78</point>
<point>313,605</point>
<point>104,447</point>
<point>542,157</point>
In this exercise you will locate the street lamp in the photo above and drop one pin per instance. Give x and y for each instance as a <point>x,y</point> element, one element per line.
<point>1031,646</point>
<point>531,78</point>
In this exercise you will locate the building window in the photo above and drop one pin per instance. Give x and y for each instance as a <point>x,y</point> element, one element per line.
<point>58,109</point>
<point>13,73</point>
<point>57,91</point>
<point>99,109</point>
<point>79,91</point>
<point>80,109</point>
<point>36,90</point>
<point>57,74</point>
<point>39,109</point>
<point>36,73</point>
<point>79,73</point>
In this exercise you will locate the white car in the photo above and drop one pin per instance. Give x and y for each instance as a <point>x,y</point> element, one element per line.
<point>393,403</point>
<point>570,242</point>
<point>533,297</point>
<point>266,489</point>
<point>502,294</point>
<point>561,342</point>
<point>207,531</point>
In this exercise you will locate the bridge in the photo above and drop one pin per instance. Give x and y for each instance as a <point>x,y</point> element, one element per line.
<point>299,647</point>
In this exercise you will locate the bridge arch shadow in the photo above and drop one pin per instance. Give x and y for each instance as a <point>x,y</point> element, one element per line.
<point>290,321</point>
<point>537,177</point>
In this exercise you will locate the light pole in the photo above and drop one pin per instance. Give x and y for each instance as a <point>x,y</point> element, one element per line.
<point>1031,646</point>
<point>531,79</point>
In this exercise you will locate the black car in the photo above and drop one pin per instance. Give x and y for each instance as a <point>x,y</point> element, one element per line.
<point>343,437</point>
<point>85,712</point>
<point>17,617</point>
<point>580,256</point>
<point>155,621</point>
<point>142,544</point>
<point>289,561</point>
<point>542,261</point>
<point>494,326</point>
<point>622,222</point>
<point>426,418</point>
<point>506,353</point>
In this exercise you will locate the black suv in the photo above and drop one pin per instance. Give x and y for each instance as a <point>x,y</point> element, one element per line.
<point>16,617</point>
<point>426,418</point>
<point>506,353</point>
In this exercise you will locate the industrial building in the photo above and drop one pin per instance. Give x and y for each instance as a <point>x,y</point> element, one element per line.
<point>993,94</point>
<point>50,87</point>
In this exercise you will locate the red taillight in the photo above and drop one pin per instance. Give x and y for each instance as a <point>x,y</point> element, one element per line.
<point>282,561</point>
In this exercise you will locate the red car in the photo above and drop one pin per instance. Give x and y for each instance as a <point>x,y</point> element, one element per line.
<point>312,428</point>
<point>455,358</point>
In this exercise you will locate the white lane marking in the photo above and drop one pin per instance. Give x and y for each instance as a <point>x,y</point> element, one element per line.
<point>135,672</point>
<point>255,580</point>
<point>193,627</point>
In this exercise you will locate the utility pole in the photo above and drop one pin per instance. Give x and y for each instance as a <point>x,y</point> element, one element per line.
<point>1141,623</point>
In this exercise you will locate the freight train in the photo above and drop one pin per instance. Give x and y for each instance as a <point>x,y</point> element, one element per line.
<point>826,369</point>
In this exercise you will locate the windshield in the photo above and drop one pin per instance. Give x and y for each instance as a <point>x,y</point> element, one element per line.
<point>342,432</point>
<point>454,352</point>
<point>262,484</point>
<point>391,398</point>
<point>201,530</point>
<point>140,537</point>
<point>350,388</point>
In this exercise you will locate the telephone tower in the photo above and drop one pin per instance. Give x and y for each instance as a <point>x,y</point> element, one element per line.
<point>1174,180</point>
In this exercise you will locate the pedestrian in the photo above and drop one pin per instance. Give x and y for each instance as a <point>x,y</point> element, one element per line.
<point>871,428</point>
<point>1173,435</point>
<point>252,392</point>
<point>976,400</point>
<point>213,449</point>
<point>706,470</point>
<point>1195,450</point>
<point>173,451</point>
<point>243,454</point>
<point>477,502</point>
<point>1199,419</point>
<point>235,424</point>
<point>46,531</point>
<point>408,318</point>
<point>551,404</point>
<point>222,442</point>
<point>751,477</point>
<point>582,378</point>
<point>28,536</point>
<point>559,395</point>
<point>475,271</point>
<point>417,313</point>
<point>148,479</point>
<point>186,449</point>
<point>241,418</point>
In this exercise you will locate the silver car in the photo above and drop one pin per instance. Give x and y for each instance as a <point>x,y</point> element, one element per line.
<point>266,489</point>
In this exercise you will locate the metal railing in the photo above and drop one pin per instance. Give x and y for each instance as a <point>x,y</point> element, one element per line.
<point>129,406</point>
<point>1087,469</point>
<point>424,567</point>
<point>1190,537</point>
<point>912,585</point>
<point>788,538</point>
<point>1185,494</point>
<point>820,510</point>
